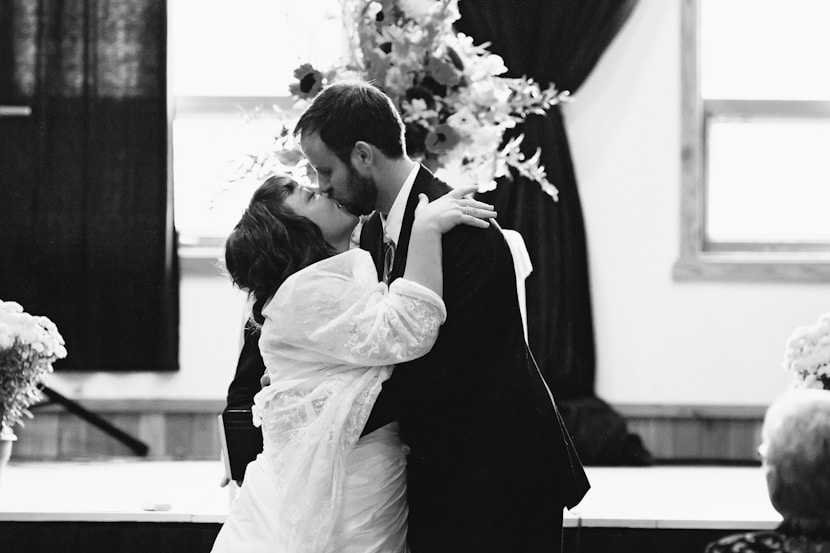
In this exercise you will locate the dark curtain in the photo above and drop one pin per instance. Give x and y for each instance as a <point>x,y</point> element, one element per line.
<point>85,223</point>
<point>560,42</point>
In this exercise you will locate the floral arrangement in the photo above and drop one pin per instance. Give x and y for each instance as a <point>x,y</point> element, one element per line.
<point>808,355</point>
<point>455,105</point>
<point>28,347</point>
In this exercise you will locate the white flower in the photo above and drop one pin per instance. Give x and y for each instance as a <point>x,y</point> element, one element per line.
<point>28,347</point>
<point>487,66</point>
<point>397,80</point>
<point>439,80</point>
<point>485,141</point>
<point>373,9</point>
<point>455,173</point>
<point>463,120</point>
<point>419,10</point>
<point>417,106</point>
<point>6,338</point>
<point>47,323</point>
<point>11,307</point>
<point>807,354</point>
<point>488,94</point>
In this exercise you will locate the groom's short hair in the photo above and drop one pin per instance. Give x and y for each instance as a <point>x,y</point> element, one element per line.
<point>348,111</point>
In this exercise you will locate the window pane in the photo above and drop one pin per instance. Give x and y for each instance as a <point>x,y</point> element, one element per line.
<point>768,180</point>
<point>226,49</point>
<point>249,47</point>
<point>765,49</point>
<point>206,149</point>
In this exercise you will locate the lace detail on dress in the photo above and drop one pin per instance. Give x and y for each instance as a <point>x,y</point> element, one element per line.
<point>336,311</point>
<point>330,337</point>
<point>406,329</point>
<point>307,434</point>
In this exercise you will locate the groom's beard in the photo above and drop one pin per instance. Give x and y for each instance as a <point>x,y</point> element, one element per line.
<point>362,194</point>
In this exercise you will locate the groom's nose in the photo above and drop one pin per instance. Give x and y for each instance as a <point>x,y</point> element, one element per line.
<point>324,186</point>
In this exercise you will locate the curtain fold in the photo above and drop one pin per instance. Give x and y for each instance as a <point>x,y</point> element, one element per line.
<point>87,236</point>
<point>557,41</point>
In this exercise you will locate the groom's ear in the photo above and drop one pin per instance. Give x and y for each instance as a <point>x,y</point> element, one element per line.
<point>363,155</point>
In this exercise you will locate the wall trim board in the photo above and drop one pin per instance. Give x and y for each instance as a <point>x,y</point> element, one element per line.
<point>205,405</point>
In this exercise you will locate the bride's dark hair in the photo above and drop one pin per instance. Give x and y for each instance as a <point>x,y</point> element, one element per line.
<point>271,242</point>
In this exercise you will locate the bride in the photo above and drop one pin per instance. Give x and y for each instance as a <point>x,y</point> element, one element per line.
<point>330,336</point>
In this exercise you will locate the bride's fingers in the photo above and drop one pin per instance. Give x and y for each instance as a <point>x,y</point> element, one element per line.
<point>470,206</point>
<point>479,213</point>
<point>475,222</point>
<point>462,191</point>
<point>471,203</point>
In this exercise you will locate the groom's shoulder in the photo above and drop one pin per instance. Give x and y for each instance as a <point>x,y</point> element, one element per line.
<point>463,237</point>
<point>429,184</point>
<point>486,244</point>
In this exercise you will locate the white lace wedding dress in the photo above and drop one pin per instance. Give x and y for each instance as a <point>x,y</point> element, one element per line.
<point>330,336</point>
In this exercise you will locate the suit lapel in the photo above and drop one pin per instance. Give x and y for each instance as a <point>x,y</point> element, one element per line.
<point>421,185</point>
<point>371,240</point>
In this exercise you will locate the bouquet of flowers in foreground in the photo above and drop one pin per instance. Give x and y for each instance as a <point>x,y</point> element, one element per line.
<point>808,355</point>
<point>28,347</point>
<point>453,101</point>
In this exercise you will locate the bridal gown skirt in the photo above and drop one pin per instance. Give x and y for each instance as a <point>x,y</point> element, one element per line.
<point>372,517</point>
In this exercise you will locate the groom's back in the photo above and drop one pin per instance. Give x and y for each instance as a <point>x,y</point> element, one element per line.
<point>489,460</point>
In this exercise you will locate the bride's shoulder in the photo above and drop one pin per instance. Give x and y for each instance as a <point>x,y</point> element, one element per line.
<point>330,280</point>
<point>361,265</point>
<point>352,266</point>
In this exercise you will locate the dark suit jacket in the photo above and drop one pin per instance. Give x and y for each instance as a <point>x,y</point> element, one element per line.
<point>249,370</point>
<point>491,463</point>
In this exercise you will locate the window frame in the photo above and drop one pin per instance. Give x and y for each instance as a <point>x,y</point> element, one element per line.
<point>699,260</point>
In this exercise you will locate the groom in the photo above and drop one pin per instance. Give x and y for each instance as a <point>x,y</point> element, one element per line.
<point>491,464</point>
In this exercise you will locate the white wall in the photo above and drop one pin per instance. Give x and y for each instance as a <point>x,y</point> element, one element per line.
<point>658,341</point>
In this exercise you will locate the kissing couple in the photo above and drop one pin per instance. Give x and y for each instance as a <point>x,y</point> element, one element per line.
<point>403,410</point>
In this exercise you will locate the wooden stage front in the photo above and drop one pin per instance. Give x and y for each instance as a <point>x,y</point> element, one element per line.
<point>105,506</point>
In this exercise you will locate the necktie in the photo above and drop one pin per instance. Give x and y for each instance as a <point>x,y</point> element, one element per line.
<point>388,257</point>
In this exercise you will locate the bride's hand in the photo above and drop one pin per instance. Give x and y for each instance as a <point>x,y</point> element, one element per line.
<point>453,209</point>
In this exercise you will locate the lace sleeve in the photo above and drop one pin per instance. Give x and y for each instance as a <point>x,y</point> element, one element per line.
<point>403,325</point>
<point>346,318</point>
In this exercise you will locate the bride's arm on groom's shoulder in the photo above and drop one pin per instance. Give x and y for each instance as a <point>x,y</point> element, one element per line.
<point>432,221</point>
<point>345,315</point>
<point>339,314</point>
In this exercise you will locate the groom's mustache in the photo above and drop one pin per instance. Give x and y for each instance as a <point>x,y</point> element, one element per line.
<point>353,206</point>
<point>348,205</point>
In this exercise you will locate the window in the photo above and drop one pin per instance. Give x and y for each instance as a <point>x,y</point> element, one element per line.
<point>756,138</point>
<point>231,62</point>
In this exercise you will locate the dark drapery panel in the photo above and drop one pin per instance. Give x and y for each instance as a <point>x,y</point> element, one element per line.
<point>85,223</point>
<point>557,41</point>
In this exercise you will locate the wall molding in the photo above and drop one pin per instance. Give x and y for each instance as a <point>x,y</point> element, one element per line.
<point>188,429</point>
<point>212,405</point>
<point>728,434</point>
<point>143,405</point>
<point>690,411</point>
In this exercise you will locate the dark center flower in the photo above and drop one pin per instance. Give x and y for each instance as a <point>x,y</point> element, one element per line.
<point>307,83</point>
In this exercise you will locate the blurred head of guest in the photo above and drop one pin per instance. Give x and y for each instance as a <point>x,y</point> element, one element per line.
<point>795,457</point>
